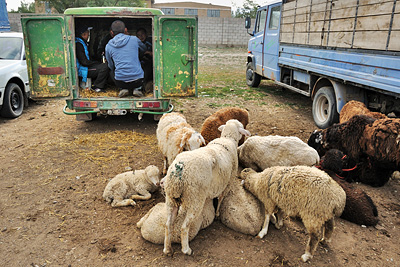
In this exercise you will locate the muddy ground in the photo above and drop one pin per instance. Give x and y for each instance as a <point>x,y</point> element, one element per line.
<point>54,169</point>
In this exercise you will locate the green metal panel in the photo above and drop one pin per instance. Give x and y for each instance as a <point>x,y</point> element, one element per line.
<point>177,60</point>
<point>124,11</point>
<point>46,43</point>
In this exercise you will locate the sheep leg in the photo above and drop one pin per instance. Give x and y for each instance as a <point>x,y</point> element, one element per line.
<point>122,203</point>
<point>264,230</point>
<point>146,196</point>
<point>279,219</point>
<point>220,198</point>
<point>171,215</point>
<point>312,243</point>
<point>165,166</point>
<point>187,222</point>
<point>329,224</point>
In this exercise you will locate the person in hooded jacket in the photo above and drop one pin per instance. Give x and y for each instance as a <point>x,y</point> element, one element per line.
<point>86,67</point>
<point>122,54</point>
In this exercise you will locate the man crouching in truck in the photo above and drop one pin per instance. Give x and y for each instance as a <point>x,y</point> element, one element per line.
<point>86,67</point>
<point>122,54</point>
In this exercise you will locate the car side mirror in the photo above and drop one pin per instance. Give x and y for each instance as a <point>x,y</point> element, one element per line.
<point>247,25</point>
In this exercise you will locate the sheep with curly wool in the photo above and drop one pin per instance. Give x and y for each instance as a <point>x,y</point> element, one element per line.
<point>240,210</point>
<point>360,208</point>
<point>175,135</point>
<point>300,191</point>
<point>354,107</point>
<point>370,143</point>
<point>198,175</point>
<point>261,152</point>
<point>125,187</point>
<point>152,225</point>
<point>209,129</point>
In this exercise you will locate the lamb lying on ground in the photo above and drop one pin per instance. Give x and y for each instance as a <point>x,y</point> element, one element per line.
<point>353,108</point>
<point>360,208</point>
<point>261,152</point>
<point>198,175</point>
<point>241,210</point>
<point>209,129</point>
<point>175,135</point>
<point>152,225</point>
<point>298,191</point>
<point>125,187</point>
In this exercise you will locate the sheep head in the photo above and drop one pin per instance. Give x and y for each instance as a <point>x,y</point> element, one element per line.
<point>152,175</point>
<point>226,130</point>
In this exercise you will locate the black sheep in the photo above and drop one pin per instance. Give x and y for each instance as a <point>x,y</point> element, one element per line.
<point>357,138</point>
<point>359,209</point>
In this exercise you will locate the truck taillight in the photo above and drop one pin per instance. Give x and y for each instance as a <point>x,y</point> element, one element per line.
<point>85,104</point>
<point>148,104</point>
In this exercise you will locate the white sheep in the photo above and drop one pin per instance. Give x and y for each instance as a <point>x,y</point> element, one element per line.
<point>241,210</point>
<point>261,152</point>
<point>152,225</point>
<point>125,187</point>
<point>197,175</point>
<point>301,191</point>
<point>175,135</point>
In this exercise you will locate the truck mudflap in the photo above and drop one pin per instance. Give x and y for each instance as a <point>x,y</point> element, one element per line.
<point>120,112</point>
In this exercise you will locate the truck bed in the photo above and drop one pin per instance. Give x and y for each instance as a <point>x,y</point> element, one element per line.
<point>365,69</point>
<point>362,24</point>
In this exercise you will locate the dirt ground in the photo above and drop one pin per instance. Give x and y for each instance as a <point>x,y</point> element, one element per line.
<point>54,169</point>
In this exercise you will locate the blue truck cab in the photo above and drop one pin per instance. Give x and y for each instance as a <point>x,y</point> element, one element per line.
<point>333,51</point>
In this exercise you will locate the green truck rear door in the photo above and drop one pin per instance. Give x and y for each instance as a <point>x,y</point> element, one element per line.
<point>176,38</point>
<point>46,45</point>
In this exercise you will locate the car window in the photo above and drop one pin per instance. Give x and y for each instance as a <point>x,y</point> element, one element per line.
<point>10,48</point>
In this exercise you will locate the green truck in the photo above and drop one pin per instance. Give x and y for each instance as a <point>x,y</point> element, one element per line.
<point>50,56</point>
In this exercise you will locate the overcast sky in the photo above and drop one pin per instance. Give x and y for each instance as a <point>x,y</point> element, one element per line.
<point>14,4</point>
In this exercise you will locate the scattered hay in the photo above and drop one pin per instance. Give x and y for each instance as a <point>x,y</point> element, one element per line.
<point>86,93</point>
<point>104,147</point>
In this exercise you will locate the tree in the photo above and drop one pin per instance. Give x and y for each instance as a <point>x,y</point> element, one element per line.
<point>61,5</point>
<point>249,9</point>
<point>25,8</point>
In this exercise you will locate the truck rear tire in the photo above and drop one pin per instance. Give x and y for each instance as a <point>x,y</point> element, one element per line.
<point>252,78</point>
<point>13,102</point>
<point>324,107</point>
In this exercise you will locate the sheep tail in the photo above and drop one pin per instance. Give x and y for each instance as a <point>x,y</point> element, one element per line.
<point>176,178</point>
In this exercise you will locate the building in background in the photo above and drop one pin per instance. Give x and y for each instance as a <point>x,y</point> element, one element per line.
<point>192,8</point>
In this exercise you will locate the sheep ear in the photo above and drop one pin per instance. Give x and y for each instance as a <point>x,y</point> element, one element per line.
<point>220,128</point>
<point>203,142</point>
<point>184,141</point>
<point>244,132</point>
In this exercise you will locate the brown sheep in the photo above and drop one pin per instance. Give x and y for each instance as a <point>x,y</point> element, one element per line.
<point>381,141</point>
<point>358,108</point>
<point>209,129</point>
<point>369,143</point>
<point>359,209</point>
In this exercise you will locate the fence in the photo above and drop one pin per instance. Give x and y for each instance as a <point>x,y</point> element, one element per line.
<point>220,32</point>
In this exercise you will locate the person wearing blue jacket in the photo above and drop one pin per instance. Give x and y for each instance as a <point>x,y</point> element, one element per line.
<point>122,54</point>
<point>88,68</point>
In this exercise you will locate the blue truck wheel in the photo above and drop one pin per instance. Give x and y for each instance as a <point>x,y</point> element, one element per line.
<point>324,107</point>
<point>252,78</point>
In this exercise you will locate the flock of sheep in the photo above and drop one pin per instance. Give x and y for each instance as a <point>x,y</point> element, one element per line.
<point>259,179</point>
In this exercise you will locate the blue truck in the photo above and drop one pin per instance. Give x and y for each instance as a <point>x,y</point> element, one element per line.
<point>333,51</point>
<point>4,22</point>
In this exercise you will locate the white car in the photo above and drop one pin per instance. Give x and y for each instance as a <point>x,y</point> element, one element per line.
<point>14,82</point>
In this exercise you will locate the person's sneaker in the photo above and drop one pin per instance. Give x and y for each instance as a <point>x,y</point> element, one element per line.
<point>123,93</point>
<point>137,93</point>
<point>98,90</point>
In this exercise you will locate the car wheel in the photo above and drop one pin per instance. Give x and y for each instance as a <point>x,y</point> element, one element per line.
<point>13,102</point>
<point>252,78</point>
<point>324,108</point>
